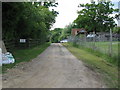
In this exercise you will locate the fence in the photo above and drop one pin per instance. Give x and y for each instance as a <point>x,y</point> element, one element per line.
<point>28,43</point>
<point>12,44</point>
<point>103,43</point>
<point>9,44</point>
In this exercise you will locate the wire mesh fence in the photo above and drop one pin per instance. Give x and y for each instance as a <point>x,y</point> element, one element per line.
<point>16,44</point>
<point>102,43</point>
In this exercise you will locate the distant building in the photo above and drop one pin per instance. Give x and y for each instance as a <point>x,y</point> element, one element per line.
<point>75,32</point>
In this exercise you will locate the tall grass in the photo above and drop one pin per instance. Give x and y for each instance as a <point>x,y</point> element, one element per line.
<point>103,46</point>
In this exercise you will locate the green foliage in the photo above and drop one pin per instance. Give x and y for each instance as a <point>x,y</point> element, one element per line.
<point>59,34</point>
<point>27,20</point>
<point>116,30</point>
<point>55,35</point>
<point>66,32</point>
<point>96,15</point>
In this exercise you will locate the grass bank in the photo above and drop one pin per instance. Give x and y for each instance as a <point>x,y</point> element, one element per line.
<point>25,55</point>
<point>108,71</point>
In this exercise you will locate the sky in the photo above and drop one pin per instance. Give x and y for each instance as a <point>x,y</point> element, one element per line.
<point>68,11</point>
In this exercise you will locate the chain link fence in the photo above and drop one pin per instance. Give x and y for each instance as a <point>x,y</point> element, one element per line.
<point>104,43</point>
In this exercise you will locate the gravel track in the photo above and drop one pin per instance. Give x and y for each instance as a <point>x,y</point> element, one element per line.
<point>56,67</point>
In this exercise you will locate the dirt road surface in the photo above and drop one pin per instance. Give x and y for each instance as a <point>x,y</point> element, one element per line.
<point>56,67</point>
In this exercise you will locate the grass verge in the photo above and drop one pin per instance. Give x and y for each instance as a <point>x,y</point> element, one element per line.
<point>108,72</point>
<point>25,55</point>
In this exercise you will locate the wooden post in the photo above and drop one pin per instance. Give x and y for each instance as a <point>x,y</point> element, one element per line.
<point>28,43</point>
<point>85,38</point>
<point>94,41</point>
<point>110,49</point>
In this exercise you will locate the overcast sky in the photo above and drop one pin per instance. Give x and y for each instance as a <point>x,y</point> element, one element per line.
<point>68,11</point>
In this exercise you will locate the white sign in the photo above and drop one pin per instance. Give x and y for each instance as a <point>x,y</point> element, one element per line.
<point>22,40</point>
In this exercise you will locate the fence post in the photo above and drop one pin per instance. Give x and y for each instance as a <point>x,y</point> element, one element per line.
<point>94,41</point>
<point>110,49</point>
<point>28,43</point>
<point>85,38</point>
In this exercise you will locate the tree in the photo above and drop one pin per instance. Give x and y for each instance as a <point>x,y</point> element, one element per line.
<point>27,20</point>
<point>55,35</point>
<point>66,32</point>
<point>96,15</point>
